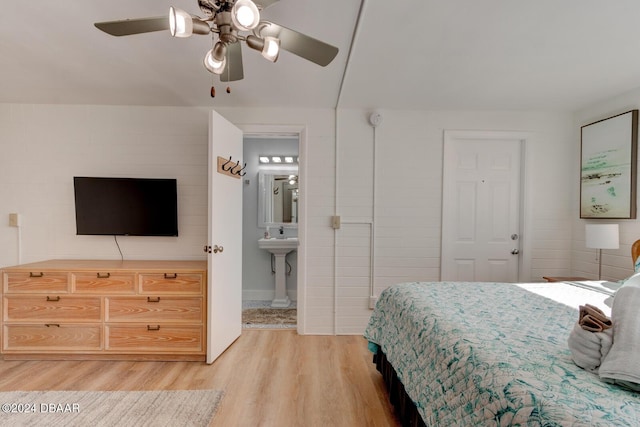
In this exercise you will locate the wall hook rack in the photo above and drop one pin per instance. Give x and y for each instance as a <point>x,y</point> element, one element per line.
<point>230,167</point>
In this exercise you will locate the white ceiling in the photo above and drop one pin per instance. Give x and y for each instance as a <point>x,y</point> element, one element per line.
<point>407,54</point>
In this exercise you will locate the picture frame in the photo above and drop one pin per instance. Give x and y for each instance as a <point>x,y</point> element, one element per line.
<point>608,165</point>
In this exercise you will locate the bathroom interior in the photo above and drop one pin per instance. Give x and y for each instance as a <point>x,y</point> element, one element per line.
<point>270,223</point>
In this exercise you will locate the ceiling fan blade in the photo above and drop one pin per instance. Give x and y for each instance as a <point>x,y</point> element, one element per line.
<point>128,27</point>
<point>265,3</point>
<point>233,70</point>
<point>300,44</point>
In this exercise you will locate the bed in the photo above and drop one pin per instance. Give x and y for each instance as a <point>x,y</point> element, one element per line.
<point>456,353</point>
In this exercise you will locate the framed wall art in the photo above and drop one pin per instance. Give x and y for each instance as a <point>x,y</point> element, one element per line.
<point>608,167</point>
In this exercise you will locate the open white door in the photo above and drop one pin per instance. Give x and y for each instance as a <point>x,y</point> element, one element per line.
<point>224,297</point>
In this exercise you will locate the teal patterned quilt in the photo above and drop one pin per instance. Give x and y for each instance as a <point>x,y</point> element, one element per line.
<point>491,354</point>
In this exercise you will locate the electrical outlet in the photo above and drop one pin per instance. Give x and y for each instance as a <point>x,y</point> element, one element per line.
<point>335,222</point>
<point>14,220</point>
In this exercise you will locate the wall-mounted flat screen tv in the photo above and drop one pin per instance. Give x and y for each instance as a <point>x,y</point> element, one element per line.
<point>126,206</point>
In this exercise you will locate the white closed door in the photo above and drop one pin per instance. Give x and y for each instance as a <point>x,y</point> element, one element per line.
<point>224,299</point>
<point>481,208</point>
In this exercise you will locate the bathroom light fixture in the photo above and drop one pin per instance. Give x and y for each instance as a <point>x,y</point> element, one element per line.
<point>291,160</point>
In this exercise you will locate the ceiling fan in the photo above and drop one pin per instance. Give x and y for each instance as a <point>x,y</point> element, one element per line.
<point>229,22</point>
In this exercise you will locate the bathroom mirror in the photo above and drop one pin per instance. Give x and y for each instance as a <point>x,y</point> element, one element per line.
<point>278,197</point>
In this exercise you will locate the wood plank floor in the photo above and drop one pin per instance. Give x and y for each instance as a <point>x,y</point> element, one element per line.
<point>270,378</point>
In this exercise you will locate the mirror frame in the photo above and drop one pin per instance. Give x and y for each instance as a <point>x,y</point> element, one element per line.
<point>282,170</point>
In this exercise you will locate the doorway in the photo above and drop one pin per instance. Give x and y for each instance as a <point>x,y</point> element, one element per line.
<point>484,177</point>
<point>259,265</point>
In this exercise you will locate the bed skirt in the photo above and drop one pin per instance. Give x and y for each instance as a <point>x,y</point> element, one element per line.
<point>405,408</point>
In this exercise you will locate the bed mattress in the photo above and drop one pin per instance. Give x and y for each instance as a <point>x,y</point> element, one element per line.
<point>495,354</point>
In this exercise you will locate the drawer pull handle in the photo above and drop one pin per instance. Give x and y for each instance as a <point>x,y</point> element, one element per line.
<point>153,328</point>
<point>32,274</point>
<point>153,299</point>
<point>48,325</point>
<point>53,298</point>
<point>103,276</point>
<point>170,276</point>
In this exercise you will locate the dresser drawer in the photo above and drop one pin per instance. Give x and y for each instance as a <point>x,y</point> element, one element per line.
<point>52,337</point>
<point>154,337</point>
<point>154,309</point>
<point>54,308</point>
<point>183,283</point>
<point>103,282</point>
<point>35,282</point>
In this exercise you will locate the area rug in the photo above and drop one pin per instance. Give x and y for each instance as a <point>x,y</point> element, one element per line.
<point>269,317</point>
<point>109,408</point>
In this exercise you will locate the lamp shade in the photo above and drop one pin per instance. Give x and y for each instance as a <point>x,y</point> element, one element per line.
<point>182,24</point>
<point>212,64</point>
<point>245,15</point>
<point>602,236</point>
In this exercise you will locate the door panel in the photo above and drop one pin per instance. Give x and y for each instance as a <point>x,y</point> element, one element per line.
<point>224,305</point>
<point>481,209</point>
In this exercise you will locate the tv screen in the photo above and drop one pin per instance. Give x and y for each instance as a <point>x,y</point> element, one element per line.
<point>126,206</point>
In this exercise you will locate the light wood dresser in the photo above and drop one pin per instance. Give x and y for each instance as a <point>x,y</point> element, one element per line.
<point>99,309</point>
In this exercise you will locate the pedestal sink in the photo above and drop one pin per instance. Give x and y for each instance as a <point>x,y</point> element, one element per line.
<point>280,248</point>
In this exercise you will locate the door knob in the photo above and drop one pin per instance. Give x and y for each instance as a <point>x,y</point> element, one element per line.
<point>217,249</point>
<point>515,252</point>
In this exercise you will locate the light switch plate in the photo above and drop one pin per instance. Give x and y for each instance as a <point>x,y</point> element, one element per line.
<point>14,220</point>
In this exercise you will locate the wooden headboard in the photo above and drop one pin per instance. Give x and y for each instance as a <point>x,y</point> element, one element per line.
<point>635,251</point>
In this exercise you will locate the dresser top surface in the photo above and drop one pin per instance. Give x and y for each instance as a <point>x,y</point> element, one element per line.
<point>90,264</point>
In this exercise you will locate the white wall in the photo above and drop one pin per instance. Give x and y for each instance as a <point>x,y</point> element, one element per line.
<point>409,194</point>
<point>616,264</point>
<point>44,146</point>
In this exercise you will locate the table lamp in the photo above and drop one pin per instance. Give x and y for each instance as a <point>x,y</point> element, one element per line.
<point>601,236</point>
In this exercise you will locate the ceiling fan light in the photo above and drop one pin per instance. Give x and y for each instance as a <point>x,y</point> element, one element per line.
<point>219,51</point>
<point>271,49</point>
<point>213,65</point>
<point>180,23</point>
<point>245,15</point>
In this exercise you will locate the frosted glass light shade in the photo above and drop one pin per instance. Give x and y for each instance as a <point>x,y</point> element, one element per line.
<point>602,236</point>
<point>245,15</point>
<point>212,65</point>
<point>180,23</point>
<point>271,48</point>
